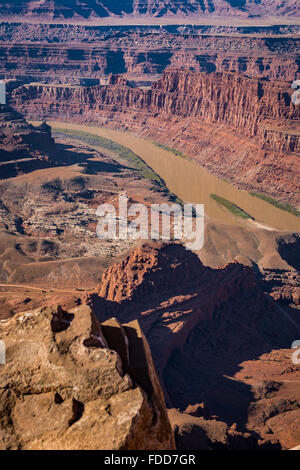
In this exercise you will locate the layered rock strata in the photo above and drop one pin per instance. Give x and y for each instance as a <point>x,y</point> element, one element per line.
<point>81,10</point>
<point>87,55</point>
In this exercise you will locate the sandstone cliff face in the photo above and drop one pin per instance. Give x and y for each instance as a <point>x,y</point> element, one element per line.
<point>255,108</point>
<point>62,54</point>
<point>71,383</point>
<point>239,128</point>
<point>240,102</point>
<point>23,147</point>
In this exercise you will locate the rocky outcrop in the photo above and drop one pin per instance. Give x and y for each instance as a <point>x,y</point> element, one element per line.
<point>23,148</point>
<point>194,432</point>
<point>79,9</point>
<point>204,326</point>
<point>157,282</point>
<point>148,270</point>
<point>239,128</point>
<point>71,383</point>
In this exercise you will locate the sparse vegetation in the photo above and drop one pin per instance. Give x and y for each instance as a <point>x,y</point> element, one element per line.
<point>133,160</point>
<point>170,149</point>
<point>279,205</point>
<point>233,208</point>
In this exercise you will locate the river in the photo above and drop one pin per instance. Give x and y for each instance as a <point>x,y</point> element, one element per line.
<point>192,183</point>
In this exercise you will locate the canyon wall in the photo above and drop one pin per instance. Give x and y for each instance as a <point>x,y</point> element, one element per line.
<point>240,128</point>
<point>79,9</point>
<point>69,64</point>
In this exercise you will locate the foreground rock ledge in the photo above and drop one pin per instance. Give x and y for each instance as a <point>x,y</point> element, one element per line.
<point>70,382</point>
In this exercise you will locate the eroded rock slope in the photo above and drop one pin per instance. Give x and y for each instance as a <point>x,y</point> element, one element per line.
<point>240,128</point>
<point>23,148</point>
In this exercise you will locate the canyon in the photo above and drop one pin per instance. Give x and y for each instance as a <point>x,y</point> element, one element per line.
<point>78,54</point>
<point>249,127</point>
<point>48,214</point>
<point>23,147</point>
<point>189,310</point>
<point>112,344</point>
